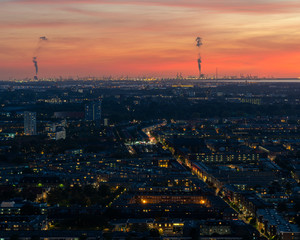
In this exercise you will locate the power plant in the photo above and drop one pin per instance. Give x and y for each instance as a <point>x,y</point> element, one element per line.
<point>199,44</point>
<point>34,58</point>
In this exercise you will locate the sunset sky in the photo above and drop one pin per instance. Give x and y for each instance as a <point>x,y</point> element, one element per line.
<point>149,37</point>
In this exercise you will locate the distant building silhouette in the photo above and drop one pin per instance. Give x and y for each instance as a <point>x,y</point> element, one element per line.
<point>105,122</point>
<point>93,111</point>
<point>29,123</point>
<point>56,130</point>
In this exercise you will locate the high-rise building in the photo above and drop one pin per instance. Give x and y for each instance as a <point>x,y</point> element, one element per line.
<point>93,111</point>
<point>105,122</point>
<point>56,130</point>
<point>29,123</point>
<point>60,133</point>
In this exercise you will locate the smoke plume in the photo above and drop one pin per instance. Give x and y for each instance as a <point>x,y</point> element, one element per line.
<point>198,41</point>
<point>199,65</point>
<point>44,38</point>
<point>199,61</point>
<point>35,65</point>
<point>36,52</point>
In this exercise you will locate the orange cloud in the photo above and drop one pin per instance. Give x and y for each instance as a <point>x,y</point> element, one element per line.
<point>150,37</point>
<point>232,6</point>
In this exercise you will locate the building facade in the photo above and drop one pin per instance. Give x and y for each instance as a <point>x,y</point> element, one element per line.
<point>93,111</point>
<point>29,123</point>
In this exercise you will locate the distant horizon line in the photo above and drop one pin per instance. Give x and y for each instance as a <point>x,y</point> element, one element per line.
<point>117,78</point>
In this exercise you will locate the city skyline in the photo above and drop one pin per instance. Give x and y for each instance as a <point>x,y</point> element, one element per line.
<point>149,38</point>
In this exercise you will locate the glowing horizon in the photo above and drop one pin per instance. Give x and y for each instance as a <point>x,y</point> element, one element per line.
<point>149,38</point>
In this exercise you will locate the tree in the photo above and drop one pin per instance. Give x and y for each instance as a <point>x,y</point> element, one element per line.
<point>154,233</point>
<point>194,233</point>
<point>281,207</point>
<point>288,187</point>
<point>83,237</point>
<point>252,221</point>
<point>139,228</point>
<point>29,209</point>
<point>14,237</point>
<point>35,237</point>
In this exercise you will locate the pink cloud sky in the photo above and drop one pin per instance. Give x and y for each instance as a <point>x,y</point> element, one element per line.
<point>149,37</point>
